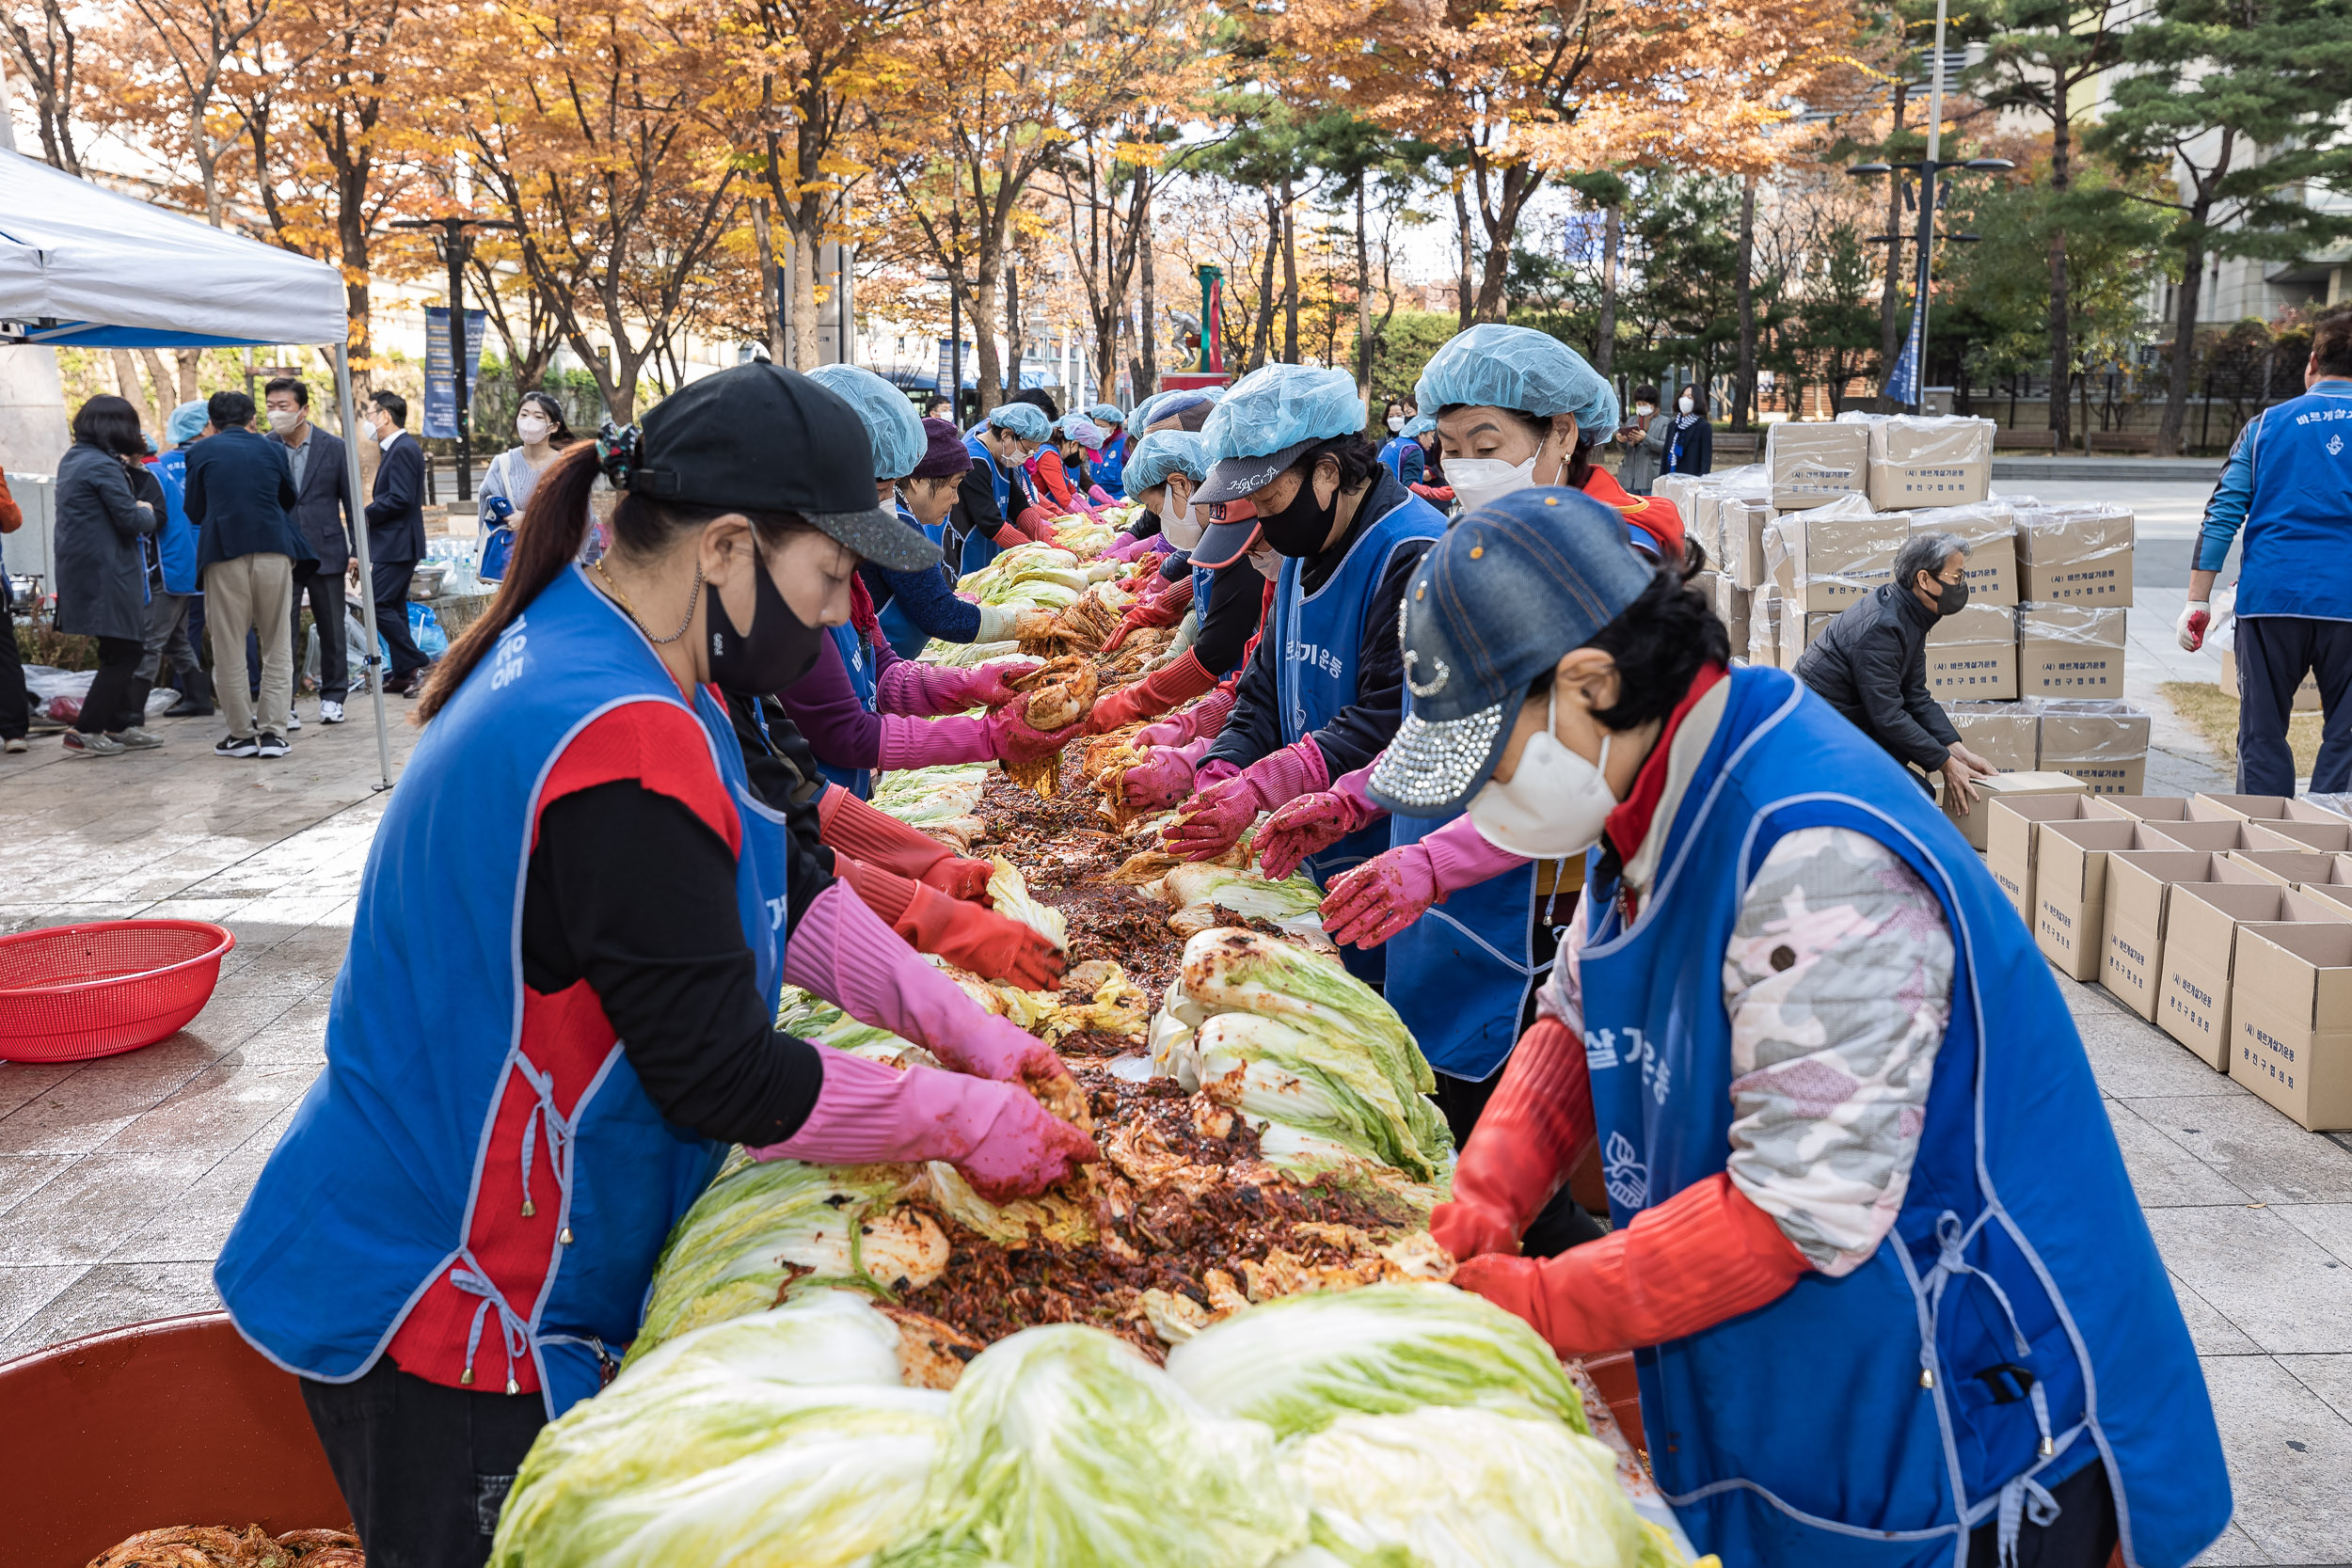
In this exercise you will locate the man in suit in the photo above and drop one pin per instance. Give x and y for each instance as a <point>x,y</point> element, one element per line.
<point>396,536</point>
<point>325,512</point>
<point>239,493</point>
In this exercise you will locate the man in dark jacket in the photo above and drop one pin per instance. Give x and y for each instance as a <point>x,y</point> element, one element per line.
<point>239,493</point>
<point>1871,663</point>
<point>397,536</point>
<point>325,512</point>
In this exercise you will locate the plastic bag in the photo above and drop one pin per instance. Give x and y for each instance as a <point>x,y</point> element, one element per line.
<point>425,629</point>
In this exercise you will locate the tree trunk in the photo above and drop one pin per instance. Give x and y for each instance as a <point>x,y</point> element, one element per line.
<point>1364,300</point>
<point>1605,334</point>
<point>1262,322</point>
<point>1462,238</point>
<point>1519,185</point>
<point>987,366</point>
<point>771,320</point>
<point>127,385</point>
<point>1148,328</point>
<point>1890,297</point>
<point>186,361</point>
<point>804,334</point>
<point>1744,387</point>
<point>2183,356</point>
<point>2061,323</point>
<point>1289,275</point>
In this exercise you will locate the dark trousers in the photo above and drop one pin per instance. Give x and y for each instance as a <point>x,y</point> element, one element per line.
<point>324,591</point>
<point>2274,654</point>
<point>425,1467</point>
<point>117,698</point>
<point>390,581</point>
<point>2082,1536</point>
<point>16,705</point>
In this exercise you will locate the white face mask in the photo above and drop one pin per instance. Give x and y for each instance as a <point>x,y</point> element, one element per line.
<point>1555,804</point>
<point>1396,422</point>
<point>1478,481</point>
<point>283,419</point>
<point>1684,403</point>
<point>1268,560</point>
<point>1178,524</point>
<point>1645,409</point>
<point>529,429</point>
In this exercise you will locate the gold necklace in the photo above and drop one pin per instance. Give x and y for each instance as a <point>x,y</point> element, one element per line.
<point>630,611</point>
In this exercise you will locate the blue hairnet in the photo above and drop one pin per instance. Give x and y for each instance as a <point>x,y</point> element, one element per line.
<point>1024,419</point>
<point>1164,453</point>
<point>1078,428</point>
<point>891,423</point>
<point>1278,406</point>
<point>1106,414</point>
<point>187,422</point>
<point>1420,424</point>
<point>1520,368</point>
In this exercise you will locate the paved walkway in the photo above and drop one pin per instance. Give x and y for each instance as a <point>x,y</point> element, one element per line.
<point>119,1178</point>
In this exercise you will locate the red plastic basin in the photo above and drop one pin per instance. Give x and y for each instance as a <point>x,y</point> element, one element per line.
<point>173,1422</point>
<point>71,993</point>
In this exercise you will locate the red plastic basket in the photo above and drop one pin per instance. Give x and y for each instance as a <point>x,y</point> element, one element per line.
<point>68,992</point>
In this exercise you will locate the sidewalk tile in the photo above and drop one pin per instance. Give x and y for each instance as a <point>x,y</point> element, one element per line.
<point>2289,1453</point>
<point>2276,1285</point>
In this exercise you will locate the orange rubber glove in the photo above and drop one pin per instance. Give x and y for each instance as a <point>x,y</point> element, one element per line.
<point>1703,1256</point>
<point>1178,682</point>
<point>851,828</point>
<point>970,936</point>
<point>1530,1136</point>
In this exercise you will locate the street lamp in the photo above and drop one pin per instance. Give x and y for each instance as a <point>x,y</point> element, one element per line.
<point>456,248</point>
<point>1926,169</point>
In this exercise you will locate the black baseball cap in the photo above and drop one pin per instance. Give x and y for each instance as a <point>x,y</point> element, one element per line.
<point>758,438</point>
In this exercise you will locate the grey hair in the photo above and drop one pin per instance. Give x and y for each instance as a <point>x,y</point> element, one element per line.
<point>1927,552</point>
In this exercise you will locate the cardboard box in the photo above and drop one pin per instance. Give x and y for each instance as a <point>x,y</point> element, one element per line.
<point>1974,655</point>
<point>1811,463</point>
<point>2291,1021</point>
<point>1741,523</point>
<point>2282,867</point>
<point>2069,651</point>
<point>1797,633</point>
<point>1838,561</point>
<point>2140,887</point>
<point>2195,1004</point>
<point>2306,695</point>
<point>2104,744</point>
<point>2336,885</point>
<point>2008,787</point>
<point>1764,613</point>
<point>2011,840</point>
<point>1731,606</point>
<point>1990,530</point>
<point>2329,838</point>
<point>1929,461</point>
<point>2264,808</point>
<point>2070,887</point>
<point>2161,808</point>
<point>2004,734</point>
<point>2075,555</point>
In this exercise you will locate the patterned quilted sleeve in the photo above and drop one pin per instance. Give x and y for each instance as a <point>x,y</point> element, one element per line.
<point>1838,981</point>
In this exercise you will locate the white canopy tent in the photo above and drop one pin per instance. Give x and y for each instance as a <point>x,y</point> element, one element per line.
<point>83,267</point>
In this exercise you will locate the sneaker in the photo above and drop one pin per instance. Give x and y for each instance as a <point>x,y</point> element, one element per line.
<point>136,739</point>
<point>294,719</point>
<point>330,711</point>
<point>272,745</point>
<point>236,746</point>
<point>16,743</point>
<point>80,745</point>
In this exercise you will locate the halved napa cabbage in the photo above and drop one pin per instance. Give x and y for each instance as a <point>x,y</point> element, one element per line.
<point>1304,1361</point>
<point>1200,891</point>
<point>1010,892</point>
<point>1310,1078</point>
<point>814,1019</point>
<point>1068,1448</point>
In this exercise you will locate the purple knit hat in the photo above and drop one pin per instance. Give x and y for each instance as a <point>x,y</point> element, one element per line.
<point>944,452</point>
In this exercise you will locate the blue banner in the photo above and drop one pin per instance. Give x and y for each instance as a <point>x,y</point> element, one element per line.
<point>440,391</point>
<point>1902,383</point>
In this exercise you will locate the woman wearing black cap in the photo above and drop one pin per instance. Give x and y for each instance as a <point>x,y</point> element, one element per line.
<point>1893,1300</point>
<point>557,1009</point>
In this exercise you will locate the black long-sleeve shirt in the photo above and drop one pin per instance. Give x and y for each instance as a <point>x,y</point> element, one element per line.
<point>1363,729</point>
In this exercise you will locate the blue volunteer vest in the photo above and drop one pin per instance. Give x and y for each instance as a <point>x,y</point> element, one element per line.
<point>1109,467</point>
<point>2017,1325</point>
<point>860,666</point>
<point>368,1198</point>
<point>2295,561</point>
<point>979,548</point>
<point>175,542</point>
<point>905,637</point>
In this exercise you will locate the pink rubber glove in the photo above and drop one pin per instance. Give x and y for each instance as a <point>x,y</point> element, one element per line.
<point>1002,735</point>
<point>1219,815</point>
<point>1315,823</point>
<point>1100,497</point>
<point>1393,889</point>
<point>1164,776</point>
<point>1003,1142</point>
<point>1203,720</point>
<point>841,950</point>
<point>1126,547</point>
<point>921,691</point>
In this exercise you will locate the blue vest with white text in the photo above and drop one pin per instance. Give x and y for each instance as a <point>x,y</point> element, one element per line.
<point>2017,1324</point>
<point>860,666</point>
<point>2297,550</point>
<point>978,547</point>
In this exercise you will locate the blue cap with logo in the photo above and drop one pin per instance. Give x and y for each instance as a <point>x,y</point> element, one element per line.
<point>1494,604</point>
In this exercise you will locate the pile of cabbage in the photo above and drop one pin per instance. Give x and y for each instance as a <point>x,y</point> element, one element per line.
<point>1409,1426</point>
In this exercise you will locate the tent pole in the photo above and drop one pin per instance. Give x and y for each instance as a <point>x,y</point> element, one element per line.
<point>367,575</point>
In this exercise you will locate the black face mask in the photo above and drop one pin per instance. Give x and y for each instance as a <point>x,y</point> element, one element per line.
<point>1300,528</point>
<point>777,651</point>
<point>1950,597</point>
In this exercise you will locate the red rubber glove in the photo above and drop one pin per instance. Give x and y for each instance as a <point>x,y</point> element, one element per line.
<point>1163,778</point>
<point>1012,738</point>
<point>1161,607</point>
<point>1528,1139</point>
<point>1203,720</point>
<point>1009,535</point>
<point>851,828</point>
<point>973,937</point>
<point>1181,681</point>
<point>1703,1256</point>
<point>1309,824</point>
<point>1219,815</point>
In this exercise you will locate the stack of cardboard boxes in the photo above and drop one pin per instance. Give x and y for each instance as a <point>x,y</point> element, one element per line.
<point>2031,670</point>
<point>2226,920</point>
